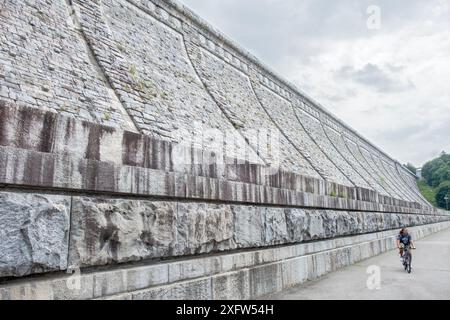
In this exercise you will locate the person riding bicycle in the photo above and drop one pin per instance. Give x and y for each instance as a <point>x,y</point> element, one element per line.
<point>404,239</point>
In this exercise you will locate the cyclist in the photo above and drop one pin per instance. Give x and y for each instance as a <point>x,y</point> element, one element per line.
<point>404,239</point>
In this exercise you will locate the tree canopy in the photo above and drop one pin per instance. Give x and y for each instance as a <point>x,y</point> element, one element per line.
<point>437,171</point>
<point>442,192</point>
<point>437,175</point>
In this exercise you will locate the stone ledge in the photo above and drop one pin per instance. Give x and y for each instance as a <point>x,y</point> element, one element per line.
<point>257,281</point>
<point>108,231</point>
<point>79,154</point>
<point>291,265</point>
<point>28,168</point>
<point>114,231</point>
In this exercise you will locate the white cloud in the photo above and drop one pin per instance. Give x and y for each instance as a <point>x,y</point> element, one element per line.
<point>392,84</point>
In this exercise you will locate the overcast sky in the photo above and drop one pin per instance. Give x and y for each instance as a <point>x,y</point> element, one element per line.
<point>392,84</point>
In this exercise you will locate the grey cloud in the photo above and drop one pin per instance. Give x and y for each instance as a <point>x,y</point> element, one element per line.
<point>421,142</point>
<point>373,76</point>
<point>395,68</point>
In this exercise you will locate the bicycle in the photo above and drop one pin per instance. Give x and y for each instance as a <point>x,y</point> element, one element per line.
<point>407,258</point>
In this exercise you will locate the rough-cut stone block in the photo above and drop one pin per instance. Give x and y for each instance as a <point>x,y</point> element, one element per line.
<point>235,286</point>
<point>249,226</point>
<point>203,228</point>
<point>33,233</point>
<point>108,231</point>
<point>297,224</point>
<point>316,227</point>
<point>113,231</point>
<point>275,226</point>
<point>190,290</point>
<point>329,222</point>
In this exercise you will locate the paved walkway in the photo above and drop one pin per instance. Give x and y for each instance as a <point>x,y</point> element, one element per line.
<point>430,277</point>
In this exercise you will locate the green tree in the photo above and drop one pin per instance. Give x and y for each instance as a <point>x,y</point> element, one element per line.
<point>443,191</point>
<point>437,171</point>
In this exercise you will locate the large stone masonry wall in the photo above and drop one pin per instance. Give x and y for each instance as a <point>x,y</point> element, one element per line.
<point>155,68</point>
<point>339,143</point>
<point>132,132</point>
<point>313,126</point>
<point>140,205</point>
<point>410,181</point>
<point>280,109</point>
<point>233,91</point>
<point>45,63</point>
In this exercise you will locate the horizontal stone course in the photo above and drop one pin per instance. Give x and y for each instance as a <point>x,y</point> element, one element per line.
<point>81,155</point>
<point>292,265</point>
<point>110,231</point>
<point>105,231</point>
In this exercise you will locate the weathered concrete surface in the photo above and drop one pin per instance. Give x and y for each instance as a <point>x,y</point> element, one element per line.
<point>429,279</point>
<point>34,232</point>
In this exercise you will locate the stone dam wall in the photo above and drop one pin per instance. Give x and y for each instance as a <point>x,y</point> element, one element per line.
<point>144,155</point>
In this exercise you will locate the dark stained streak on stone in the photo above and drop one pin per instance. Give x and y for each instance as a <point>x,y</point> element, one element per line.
<point>170,152</point>
<point>131,147</point>
<point>146,150</point>
<point>154,154</point>
<point>3,123</point>
<point>110,236</point>
<point>70,128</point>
<point>33,169</point>
<point>94,140</point>
<point>93,147</point>
<point>170,184</point>
<point>48,132</point>
<point>23,128</point>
